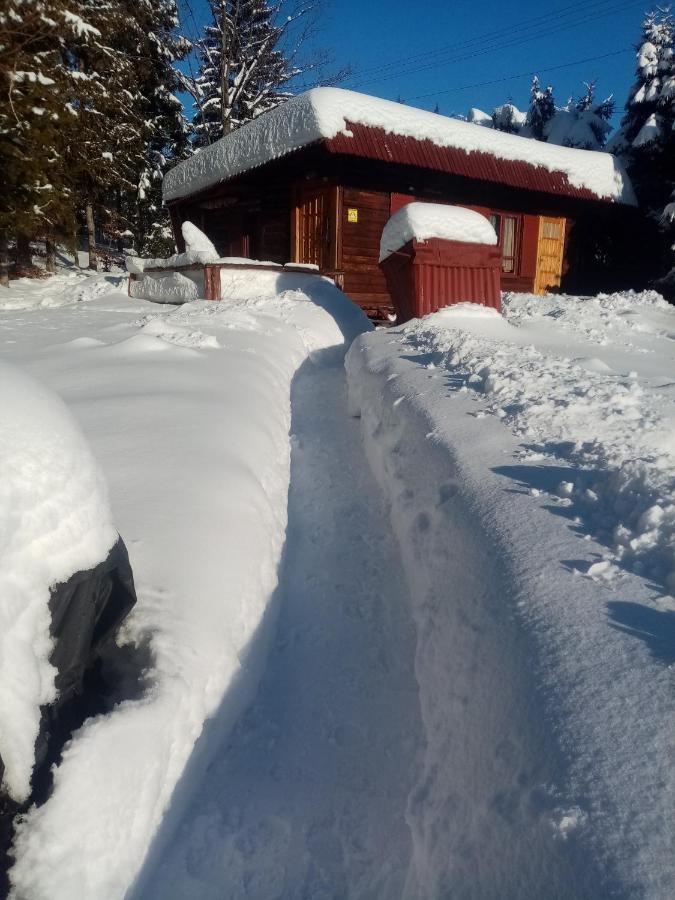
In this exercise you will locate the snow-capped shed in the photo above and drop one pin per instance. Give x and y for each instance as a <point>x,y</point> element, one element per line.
<point>316,179</point>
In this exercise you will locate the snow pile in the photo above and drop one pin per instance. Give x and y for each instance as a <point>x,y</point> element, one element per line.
<point>196,241</point>
<point>478,117</point>
<point>323,113</point>
<point>54,521</point>
<point>172,288</point>
<point>198,249</point>
<point>530,472</point>
<point>619,436</point>
<point>422,221</point>
<point>188,410</point>
<point>614,320</point>
<point>58,290</point>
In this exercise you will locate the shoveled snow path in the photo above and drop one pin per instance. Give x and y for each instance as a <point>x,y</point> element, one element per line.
<point>308,796</point>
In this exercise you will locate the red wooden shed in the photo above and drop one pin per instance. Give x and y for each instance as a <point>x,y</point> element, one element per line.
<point>316,179</point>
<point>425,276</point>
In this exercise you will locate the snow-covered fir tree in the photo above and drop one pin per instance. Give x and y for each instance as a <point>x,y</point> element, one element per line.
<point>582,123</point>
<point>540,111</point>
<point>649,107</point>
<point>646,139</point>
<point>35,126</point>
<point>91,120</point>
<point>508,118</point>
<point>129,120</point>
<point>155,46</point>
<point>243,69</point>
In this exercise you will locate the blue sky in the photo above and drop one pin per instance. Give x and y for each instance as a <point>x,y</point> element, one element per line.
<point>462,54</point>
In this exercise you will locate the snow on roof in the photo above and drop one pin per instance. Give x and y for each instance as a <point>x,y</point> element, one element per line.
<point>422,221</point>
<point>323,113</point>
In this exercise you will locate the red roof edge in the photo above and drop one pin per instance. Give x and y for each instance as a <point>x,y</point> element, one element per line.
<point>376,143</point>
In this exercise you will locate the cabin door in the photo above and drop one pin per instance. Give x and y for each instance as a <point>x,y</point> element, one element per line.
<point>550,252</point>
<point>313,227</point>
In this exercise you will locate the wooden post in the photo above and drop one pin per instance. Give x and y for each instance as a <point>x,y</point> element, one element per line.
<point>212,282</point>
<point>91,236</point>
<point>4,259</point>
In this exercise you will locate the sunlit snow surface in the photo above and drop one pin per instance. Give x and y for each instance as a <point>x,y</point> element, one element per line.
<point>529,462</point>
<point>188,413</point>
<point>467,690</point>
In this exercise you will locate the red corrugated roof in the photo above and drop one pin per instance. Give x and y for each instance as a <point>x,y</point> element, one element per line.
<point>375,143</point>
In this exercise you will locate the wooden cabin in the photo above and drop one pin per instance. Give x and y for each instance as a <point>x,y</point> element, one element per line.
<point>315,180</point>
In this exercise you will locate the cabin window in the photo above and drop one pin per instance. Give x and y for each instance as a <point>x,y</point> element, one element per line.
<point>508,235</point>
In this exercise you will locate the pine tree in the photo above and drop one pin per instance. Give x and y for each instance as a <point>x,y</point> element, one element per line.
<point>508,118</point>
<point>646,139</point>
<point>541,110</point>
<point>242,69</point>
<point>129,123</point>
<point>582,123</point>
<point>36,199</point>
<point>154,46</point>
<point>650,102</point>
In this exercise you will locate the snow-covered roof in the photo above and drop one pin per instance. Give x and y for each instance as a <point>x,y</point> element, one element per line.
<point>324,113</point>
<point>422,221</point>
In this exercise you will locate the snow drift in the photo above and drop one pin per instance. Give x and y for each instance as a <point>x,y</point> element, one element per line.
<point>188,411</point>
<point>55,520</point>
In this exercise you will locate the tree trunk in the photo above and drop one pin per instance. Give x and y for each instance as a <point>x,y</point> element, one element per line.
<point>4,260</point>
<point>51,254</point>
<point>91,237</point>
<point>118,205</point>
<point>23,255</point>
<point>225,111</point>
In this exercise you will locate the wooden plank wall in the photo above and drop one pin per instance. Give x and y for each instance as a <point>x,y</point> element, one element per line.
<point>361,248</point>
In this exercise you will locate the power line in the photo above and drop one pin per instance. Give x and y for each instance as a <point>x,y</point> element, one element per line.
<point>532,71</point>
<point>494,47</point>
<point>564,12</point>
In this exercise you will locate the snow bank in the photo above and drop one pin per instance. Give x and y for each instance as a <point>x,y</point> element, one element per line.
<point>58,290</point>
<point>529,466</point>
<point>198,249</point>
<point>54,521</point>
<point>172,288</point>
<point>188,410</point>
<point>325,113</point>
<point>421,221</point>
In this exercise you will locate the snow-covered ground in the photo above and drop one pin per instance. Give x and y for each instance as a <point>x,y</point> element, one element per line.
<point>528,460</point>
<point>463,636</point>
<point>188,413</point>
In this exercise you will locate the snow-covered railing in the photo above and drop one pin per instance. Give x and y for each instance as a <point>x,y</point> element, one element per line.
<point>195,273</point>
<point>193,281</point>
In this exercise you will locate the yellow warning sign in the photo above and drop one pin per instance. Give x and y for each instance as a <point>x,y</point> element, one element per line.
<point>352,215</point>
